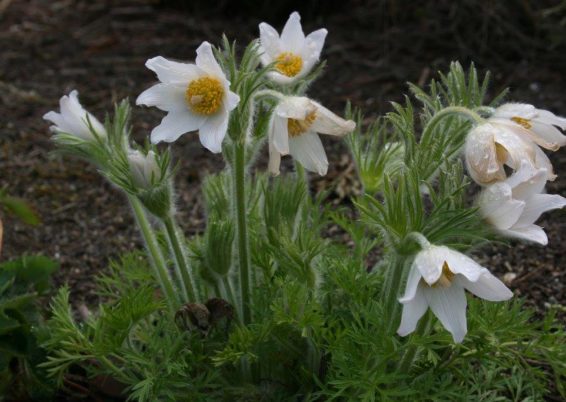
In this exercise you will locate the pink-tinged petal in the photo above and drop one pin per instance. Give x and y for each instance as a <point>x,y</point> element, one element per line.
<point>207,62</point>
<point>413,281</point>
<point>532,233</point>
<point>498,207</point>
<point>544,116</point>
<point>274,161</point>
<point>449,306</point>
<point>327,122</point>
<point>537,205</point>
<point>176,124</point>
<point>486,286</point>
<point>173,72</point>
<point>213,131</point>
<point>269,42</point>
<point>292,36</point>
<point>167,97</point>
<point>412,312</point>
<point>307,149</point>
<point>279,135</point>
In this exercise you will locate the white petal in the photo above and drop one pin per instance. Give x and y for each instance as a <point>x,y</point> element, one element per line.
<point>232,100</point>
<point>464,266</point>
<point>173,72</point>
<point>327,122</point>
<point>270,43</point>
<point>547,117</point>
<point>449,305</point>
<point>166,97</point>
<point>532,232</point>
<point>429,262</point>
<point>547,136</point>
<point>412,283</point>
<point>509,110</point>
<point>314,43</point>
<point>213,131</point>
<point>176,124</point>
<point>206,61</point>
<point>307,149</point>
<point>295,107</point>
<point>539,204</point>
<point>280,78</point>
<point>279,134</point>
<point>412,312</point>
<point>498,207</point>
<point>527,181</point>
<point>292,36</point>
<point>481,155</point>
<point>274,161</point>
<point>542,162</point>
<point>487,286</point>
<point>512,138</point>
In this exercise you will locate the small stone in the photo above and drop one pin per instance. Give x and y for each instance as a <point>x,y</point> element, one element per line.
<point>509,277</point>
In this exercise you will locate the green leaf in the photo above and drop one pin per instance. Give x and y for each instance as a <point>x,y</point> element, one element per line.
<point>19,208</point>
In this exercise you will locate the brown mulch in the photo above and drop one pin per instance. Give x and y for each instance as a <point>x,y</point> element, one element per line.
<point>50,47</point>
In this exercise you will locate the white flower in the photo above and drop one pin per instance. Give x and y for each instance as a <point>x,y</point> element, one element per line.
<point>74,119</point>
<point>144,168</point>
<point>294,127</point>
<point>512,135</point>
<point>294,54</point>
<point>197,97</point>
<point>437,280</point>
<point>512,206</point>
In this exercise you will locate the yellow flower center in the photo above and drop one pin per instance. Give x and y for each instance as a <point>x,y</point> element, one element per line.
<point>297,127</point>
<point>446,277</point>
<point>204,95</point>
<point>289,64</point>
<point>522,122</point>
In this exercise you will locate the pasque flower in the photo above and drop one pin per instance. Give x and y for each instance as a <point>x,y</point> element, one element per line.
<point>74,119</point>
<point>294,127</point>
<point>144,168</point>
<point>294,54</point>
<point>438,279</point>
<point>513,205</point>
<point>196,97</point>
<point>513,134</point>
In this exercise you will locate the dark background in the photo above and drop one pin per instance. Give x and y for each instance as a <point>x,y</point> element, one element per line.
<point>48,48</point>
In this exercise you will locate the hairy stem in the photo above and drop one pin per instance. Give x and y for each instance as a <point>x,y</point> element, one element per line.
<point>181,261</point>
<point>156,257</point>
<point>412,352</point>
<point>239,180</point>
<point>394,276</point>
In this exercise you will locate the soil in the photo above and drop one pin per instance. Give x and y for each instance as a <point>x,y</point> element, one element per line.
<point>51,47</point>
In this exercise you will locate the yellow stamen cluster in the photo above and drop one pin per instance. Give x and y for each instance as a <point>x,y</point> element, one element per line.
<point>523,122</point>
<point>204,95</point>
<point>289,64</point>
<point>297,127</point>
<point>446,277</point>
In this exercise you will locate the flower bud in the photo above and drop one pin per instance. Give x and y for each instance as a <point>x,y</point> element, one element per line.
<point>144,169</point>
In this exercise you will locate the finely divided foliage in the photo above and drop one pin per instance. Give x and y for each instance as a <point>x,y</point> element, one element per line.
<point>262,306</point>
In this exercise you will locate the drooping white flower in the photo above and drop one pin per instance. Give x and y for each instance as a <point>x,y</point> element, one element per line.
<point>513,205</point>
<point>144,168</point>
<point>74,119</point>
<point>294,127</point>
<point>437,279</point>
<point>513,134</point>
<point>294,54</point>
<point>196,97</point>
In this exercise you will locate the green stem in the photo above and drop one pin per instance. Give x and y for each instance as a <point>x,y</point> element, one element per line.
<point>408,358</point>
<point>391,288</point>
<point>180,258</point>
<point>239,176</point>
<point>446,112</point>
<point>156,257</point>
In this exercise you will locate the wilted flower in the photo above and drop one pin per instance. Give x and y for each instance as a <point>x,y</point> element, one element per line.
<point>512,135</point>
<point>74,119</point>
<point>197,97</point>
<point>293,54</point>
<point>144,168</point>
<point>513,205</point>
<point>294,127</point>
<point>437,280</point>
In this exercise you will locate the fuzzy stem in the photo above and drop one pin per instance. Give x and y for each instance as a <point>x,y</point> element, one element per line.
<point>391,287</point>
<point>156,257</point>
<point>409,357</point>
<point>239,177</point>
<point>180,257</point>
